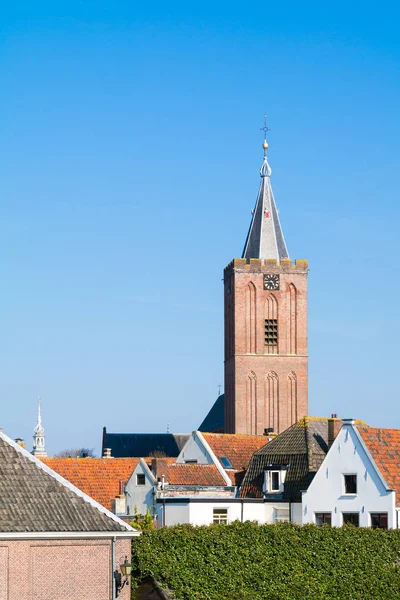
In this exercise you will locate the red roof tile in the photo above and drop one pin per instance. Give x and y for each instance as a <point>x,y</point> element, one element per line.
<point>238,448</point>
<point>190,474</point>
<point>384,446</point>
<point>97,477</point>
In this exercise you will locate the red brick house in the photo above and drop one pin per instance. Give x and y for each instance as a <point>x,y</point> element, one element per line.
<point>55,541</point>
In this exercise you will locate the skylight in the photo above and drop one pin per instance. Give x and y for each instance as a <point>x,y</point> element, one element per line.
<point>226,463</point>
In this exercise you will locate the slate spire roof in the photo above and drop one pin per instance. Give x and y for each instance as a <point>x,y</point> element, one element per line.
<point>265,237</point>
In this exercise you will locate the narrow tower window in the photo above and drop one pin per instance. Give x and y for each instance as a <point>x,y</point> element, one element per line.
<point>271,332</point>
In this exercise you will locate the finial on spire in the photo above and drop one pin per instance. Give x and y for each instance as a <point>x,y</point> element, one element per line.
<point>265,129</point>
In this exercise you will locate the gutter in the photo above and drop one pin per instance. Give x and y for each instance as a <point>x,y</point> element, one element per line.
<point>67,535</point>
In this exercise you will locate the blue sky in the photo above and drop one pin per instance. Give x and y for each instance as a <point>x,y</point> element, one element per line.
<point>129,157</point>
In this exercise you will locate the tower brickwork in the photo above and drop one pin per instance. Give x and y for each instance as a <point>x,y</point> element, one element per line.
<point>266,349</point>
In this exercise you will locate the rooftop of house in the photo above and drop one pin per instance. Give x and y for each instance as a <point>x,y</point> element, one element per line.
<point>97,477</point>
<point>191,474</point>
<point>384,447</point>
<point>302,447</point>
<point>33,498</point>
<point>143,444</point>
<point>235,447</point>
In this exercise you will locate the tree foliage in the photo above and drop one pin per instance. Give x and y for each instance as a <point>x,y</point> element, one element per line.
<point>76,453</point>
<point>245,561</point>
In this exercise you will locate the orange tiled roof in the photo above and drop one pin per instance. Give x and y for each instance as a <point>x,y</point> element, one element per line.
<point>97,477</point>
<point>384,446</point>
<point>190,474</point>
<point>238,448</point>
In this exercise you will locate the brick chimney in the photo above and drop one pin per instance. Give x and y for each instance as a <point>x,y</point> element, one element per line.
<point>334,426</point>
<point>159,466</point>
<point>107,453</point>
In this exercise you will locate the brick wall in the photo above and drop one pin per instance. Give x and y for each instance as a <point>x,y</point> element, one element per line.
<point>59,569</point>
<point>265,386</point>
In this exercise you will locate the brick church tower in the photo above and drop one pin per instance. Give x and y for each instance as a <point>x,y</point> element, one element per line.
<point>266,355</point>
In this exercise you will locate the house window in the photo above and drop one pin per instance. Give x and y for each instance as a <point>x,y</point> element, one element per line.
<point>140,479</point>
<point>191,461</point>
<point>281,515</point>
<point>350,484</point>
<point>271,332</point>
<point>379,520</point>
<point>351,519</point>
<point>220,515</point>
<point>323,518</point>
<point>274,481</point>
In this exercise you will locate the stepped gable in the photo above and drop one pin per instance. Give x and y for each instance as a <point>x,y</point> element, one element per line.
<point>97,477</point>
<point>33,498</point>
<point>302,447</point>
<point>384,447</point>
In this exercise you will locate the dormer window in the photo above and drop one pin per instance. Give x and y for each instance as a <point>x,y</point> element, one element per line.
<point>274,479</point>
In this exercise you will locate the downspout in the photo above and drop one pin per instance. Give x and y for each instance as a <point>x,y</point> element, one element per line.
<point>113,568</point>
<point>163,513</point>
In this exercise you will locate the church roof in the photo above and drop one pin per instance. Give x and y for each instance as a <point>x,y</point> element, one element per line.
<point>144,444</point>
<point>265,237</point>
<point>214,421</point>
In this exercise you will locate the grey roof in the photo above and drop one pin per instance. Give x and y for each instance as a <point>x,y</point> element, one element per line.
<point>33,498</point>
<point>302,447</point>
<point>214,421</point>
<point>265,237</point>
<point>144,444</point>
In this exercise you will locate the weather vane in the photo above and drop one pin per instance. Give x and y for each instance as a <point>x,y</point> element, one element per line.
<point>265,128</point>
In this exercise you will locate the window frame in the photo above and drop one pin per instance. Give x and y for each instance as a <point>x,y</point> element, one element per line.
<point>271,333</point>
<point>379,514</point>
<point>349,512</point>
<point>218,519</point>
<point>141,475</point>
<point>325,521</point>
<point>345,492</point>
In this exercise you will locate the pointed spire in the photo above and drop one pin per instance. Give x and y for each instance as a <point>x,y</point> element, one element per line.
<point>265,238</point>
<point>39,448</point>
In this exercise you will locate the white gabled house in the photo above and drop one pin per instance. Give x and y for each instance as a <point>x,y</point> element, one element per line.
<point>359,480</point>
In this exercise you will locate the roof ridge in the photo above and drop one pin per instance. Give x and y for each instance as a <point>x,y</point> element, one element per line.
<point>64,482</point>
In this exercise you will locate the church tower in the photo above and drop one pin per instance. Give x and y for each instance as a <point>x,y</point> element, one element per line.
<point>266,353</point>
<point>39,448</point>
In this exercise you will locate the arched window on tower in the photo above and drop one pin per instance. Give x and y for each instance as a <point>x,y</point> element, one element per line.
<point>292,398</point>
<point>251,320</point>
<point>271,333</point>
<point>251,403</point>
<point>272,401</point>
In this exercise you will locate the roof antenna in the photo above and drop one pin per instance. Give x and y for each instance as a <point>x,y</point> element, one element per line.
<point>168,431</point>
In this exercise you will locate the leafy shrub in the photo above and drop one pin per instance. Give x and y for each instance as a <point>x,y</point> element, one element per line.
<point>245,561</point>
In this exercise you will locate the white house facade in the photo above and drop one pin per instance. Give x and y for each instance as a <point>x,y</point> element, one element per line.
<point>349,486</point>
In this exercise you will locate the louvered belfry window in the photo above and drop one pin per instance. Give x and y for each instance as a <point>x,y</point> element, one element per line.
<point>271,332</point>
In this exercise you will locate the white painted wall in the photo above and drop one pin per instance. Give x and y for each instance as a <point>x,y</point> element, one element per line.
<point>201,513</point>
<point>194,450</point>
<point>141,496</point>
<point>326,491</point>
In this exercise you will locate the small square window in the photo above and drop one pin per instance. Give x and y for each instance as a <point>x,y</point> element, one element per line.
<point>140,479</point>
<point>220,515</point>
<point>379,520</point>
<point>271,332</point>
<point>323,518</point>
<point>351,519</point>
<point>350,484</point>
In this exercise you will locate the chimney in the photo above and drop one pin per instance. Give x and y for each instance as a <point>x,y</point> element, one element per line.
<point>334,426</point>
<point>20,442</point>
<point>107,453</point>
<point>118,505</point>
<point>158,465</point>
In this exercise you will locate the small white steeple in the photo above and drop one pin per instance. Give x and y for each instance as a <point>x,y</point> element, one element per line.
<point>39,448</point>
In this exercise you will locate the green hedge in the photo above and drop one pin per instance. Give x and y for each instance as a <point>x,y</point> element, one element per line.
<point>245,561</point>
